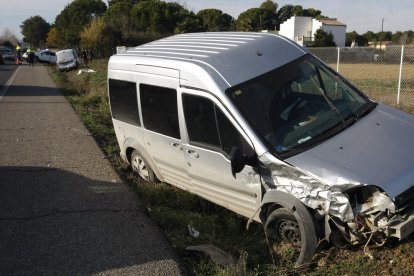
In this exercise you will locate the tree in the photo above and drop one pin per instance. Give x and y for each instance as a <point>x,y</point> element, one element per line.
<point>312,13</point>
<point>287,11</point>
<point>35,30</point>
<point>92,35</point>
<point>118,19</point>
<point>70,22</point>
<point>158,16</point>
<point>52,38</point>
<point>284,13</point>
<point>254,19</point>
<point>114,2</point>
<point>269,5</point>
<point>370,36</point>
<point>323,39</point>
<point>214,20</point>
<point>360,40</point>
<point>191,23</point>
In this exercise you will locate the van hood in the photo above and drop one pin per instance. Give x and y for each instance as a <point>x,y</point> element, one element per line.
<point>376,150</point>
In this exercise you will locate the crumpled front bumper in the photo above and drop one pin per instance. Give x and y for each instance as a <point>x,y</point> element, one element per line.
<point>404,228</point>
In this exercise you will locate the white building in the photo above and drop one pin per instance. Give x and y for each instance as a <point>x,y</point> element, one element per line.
<point>302,29</point>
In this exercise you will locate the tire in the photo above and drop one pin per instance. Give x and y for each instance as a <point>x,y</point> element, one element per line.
<point>297,229</point>
<point>140,166</point>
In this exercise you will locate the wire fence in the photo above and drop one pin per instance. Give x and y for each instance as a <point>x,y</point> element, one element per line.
<point>385,75</point>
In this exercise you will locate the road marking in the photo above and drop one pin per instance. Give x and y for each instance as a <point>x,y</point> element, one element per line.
<point>8,83</point>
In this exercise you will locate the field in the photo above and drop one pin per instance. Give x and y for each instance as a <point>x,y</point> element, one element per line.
<point>380,82</point>
<point>175,210</point>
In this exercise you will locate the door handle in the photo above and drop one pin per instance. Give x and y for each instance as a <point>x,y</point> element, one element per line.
<point>193,153</point>
<point>177,146</point>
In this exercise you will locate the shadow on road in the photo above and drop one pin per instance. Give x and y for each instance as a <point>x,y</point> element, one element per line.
<point>53,221</point>
<point>25,91</point>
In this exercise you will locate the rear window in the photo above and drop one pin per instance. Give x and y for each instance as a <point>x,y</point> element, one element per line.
<point>65,55</point>
<point>123,100</point>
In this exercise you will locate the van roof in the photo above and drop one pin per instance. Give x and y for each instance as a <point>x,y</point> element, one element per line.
<point>234,56</point>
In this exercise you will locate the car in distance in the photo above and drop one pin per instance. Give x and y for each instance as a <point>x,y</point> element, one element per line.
<point>45,56</point>
<point>257,124</point>
<point>7,54</point>
<point>67,59</point>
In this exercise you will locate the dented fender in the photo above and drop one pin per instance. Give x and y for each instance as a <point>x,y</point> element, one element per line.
<point>309,189</point>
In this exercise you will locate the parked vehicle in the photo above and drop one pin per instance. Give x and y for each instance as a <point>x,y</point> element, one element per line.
<point>7,54</point>
<point>67,59</point>
<point>257,124</point>
<point>45,56</point>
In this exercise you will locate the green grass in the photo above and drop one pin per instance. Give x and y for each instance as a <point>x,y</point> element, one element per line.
<point>174,209</point>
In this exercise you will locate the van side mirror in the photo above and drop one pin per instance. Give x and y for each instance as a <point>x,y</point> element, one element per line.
<point>237,161</point>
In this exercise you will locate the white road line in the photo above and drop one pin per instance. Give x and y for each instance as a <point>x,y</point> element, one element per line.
<point>8,83</point>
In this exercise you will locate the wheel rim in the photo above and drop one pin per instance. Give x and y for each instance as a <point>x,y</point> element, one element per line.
<point>139,166</point>
<point>289,231</point>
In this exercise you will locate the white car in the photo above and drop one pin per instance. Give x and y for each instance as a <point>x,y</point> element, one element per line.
<point>46,56</point>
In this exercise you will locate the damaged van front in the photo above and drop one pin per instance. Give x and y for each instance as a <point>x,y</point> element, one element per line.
<point>349,160</point>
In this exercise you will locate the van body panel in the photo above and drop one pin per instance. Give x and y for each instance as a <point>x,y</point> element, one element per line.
<point>382,142</point>
<point>256,53</point>
<point>210,178</point>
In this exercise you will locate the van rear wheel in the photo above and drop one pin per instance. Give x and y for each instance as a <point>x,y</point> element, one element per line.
<point>140,166</point>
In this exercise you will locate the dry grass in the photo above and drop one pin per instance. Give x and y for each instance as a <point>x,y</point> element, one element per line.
<point>380,82</point>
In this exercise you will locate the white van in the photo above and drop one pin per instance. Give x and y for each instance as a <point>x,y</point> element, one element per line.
<point>255,123</point>
<point>67,60</point>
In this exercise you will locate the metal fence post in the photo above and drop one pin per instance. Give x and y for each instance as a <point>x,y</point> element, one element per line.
<point>399,78</point>
<point>337,60</point>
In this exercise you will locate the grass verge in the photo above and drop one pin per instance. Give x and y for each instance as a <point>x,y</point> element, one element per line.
<point>174,210</point>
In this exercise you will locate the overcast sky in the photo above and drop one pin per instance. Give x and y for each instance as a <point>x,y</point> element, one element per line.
<point>358,15</point>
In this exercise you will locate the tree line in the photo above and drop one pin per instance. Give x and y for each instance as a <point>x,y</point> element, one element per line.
<point>399,37</point>
<point>93,25</point>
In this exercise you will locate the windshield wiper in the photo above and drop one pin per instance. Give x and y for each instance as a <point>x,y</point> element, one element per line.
<point>326,97</point>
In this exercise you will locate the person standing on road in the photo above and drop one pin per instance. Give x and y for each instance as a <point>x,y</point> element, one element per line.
<point>85,57</point>
<point>18,54</point>
<point>30,56</point>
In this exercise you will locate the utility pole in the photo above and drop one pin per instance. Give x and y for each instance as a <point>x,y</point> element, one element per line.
<point>381,34</point>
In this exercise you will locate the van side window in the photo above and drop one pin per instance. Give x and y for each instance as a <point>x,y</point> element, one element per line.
<point>159,109</point>
<point>123,100</point>
<point>207,125</point>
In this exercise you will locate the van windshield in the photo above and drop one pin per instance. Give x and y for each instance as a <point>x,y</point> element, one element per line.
<point>298,105</point>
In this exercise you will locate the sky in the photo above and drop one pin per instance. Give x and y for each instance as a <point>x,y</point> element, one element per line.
<point>359,15</point>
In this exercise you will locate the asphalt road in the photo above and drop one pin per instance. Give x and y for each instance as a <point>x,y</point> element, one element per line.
<point>6,71</point>
<point>63,209</point>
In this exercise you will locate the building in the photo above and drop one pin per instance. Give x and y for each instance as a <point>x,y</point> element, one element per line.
<point>302,29</point>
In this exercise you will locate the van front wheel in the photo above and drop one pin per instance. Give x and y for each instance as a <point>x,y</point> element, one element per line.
<point>297,230</point>
<point>141,167</point>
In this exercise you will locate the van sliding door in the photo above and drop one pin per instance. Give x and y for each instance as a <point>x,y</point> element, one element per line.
<point>159,112</point>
